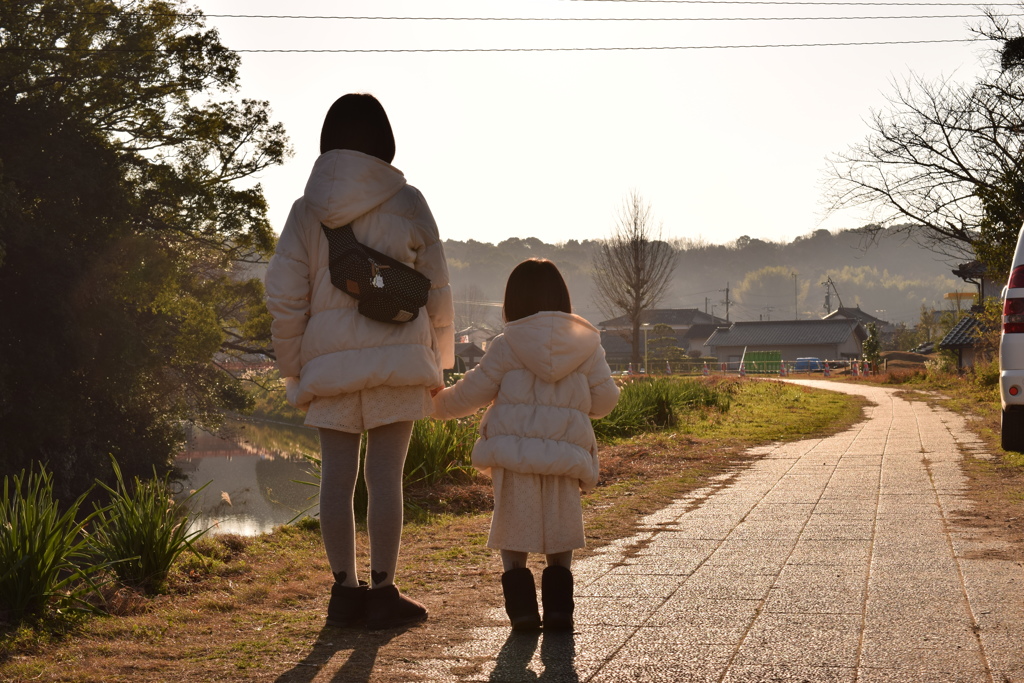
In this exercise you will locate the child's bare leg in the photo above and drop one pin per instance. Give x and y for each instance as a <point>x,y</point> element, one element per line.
<point>560,559</point>
<point>513,559</point>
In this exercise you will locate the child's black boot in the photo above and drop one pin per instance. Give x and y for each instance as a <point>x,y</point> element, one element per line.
<point>387,608</point>
<point>556,594</point>
<point>348,603</point>
<point>521,599</point>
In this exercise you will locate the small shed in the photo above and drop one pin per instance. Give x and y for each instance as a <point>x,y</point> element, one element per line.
<point>963,338</point>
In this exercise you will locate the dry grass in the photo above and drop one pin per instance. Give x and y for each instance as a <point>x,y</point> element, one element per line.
<point>252,610</point>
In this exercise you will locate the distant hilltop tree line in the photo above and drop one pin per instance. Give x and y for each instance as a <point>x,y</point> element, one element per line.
<point>887,275</point>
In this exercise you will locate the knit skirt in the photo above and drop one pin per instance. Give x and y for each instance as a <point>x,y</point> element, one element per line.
<point>359,411</point>
<point>536,513</point>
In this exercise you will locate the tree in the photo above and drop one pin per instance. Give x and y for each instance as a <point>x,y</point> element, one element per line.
<point>127,228</point>
<point>632,268</point>
<point>663,346</point>
<point>943,161</point>
<point>872,345</point>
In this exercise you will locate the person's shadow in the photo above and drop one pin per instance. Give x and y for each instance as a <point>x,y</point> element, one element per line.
<point>364,646</point>
<point>557,653</point>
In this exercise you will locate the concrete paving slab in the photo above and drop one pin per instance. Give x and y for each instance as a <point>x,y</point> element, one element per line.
<point>828,560</point>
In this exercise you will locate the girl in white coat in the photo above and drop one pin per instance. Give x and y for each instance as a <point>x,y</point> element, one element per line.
<point>546,376</point>
<point>352,374</point>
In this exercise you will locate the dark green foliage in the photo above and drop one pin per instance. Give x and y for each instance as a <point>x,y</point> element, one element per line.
<point>1003,207</point>
<point>142,531</point>
<point>41,548</point>
<point>123,238</point>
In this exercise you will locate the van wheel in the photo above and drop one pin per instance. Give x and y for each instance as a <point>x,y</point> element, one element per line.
<point>1012,428</point>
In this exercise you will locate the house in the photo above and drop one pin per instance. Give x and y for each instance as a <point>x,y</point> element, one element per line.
<point>973,272</point>
<point>690,326</point>
<point>831,339</point>
<point>963,337</point>
<point>469,353</point>
<point>886,329</point>
<point>480,334</point>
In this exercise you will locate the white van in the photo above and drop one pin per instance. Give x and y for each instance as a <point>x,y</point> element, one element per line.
<point>1011,354</point>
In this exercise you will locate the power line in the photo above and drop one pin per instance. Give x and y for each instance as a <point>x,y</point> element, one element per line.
<point>501,49</point>
<point>542,19</point>
<point>811,2</point>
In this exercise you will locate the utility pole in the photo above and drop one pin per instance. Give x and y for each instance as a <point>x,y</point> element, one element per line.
<point>796,295</point>
<point>768,311</point>
<point>829,288</point>
<point>726,302</point>
<point>705,305</point>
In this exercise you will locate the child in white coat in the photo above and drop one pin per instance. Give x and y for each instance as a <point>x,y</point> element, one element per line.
<point>547,377</point>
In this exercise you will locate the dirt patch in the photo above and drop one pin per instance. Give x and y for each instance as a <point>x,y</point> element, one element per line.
<point>255,611</point>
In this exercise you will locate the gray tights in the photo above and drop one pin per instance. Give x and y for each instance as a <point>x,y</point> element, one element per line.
<point>386,448</point>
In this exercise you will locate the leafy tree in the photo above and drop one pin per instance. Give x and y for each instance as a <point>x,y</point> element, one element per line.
<point>872,345</point>
<point>662,346</point>
<point>943,162</point>
<point>632,268</point>
<point>127,228</point>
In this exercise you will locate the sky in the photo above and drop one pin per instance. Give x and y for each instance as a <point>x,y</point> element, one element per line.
<point>721,140</point>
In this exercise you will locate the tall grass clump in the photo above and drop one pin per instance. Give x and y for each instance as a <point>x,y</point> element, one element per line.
<point>656,404</point>
<point>142,531</point>
<point>440,450</point>
<point>42,550</point>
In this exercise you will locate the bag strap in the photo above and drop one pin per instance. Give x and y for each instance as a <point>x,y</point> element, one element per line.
<point>343,236</point>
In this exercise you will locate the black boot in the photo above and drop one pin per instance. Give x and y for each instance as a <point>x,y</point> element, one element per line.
<point>387,608</point>
<point>556,594</point>
<point>521,599</point>
<point>348,603</point>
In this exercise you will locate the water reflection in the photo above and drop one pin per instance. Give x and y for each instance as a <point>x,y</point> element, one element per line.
<point>252,468</point>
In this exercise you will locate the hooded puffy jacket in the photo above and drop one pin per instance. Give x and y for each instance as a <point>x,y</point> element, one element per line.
<point>323,345</point>
<point>547,376</point>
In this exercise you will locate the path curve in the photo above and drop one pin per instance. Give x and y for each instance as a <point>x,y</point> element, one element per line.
<point>828,560</point>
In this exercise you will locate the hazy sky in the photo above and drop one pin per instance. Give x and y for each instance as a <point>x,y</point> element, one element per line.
<point>722,142</point>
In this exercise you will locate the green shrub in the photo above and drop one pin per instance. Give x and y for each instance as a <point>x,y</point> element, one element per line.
<point>40,550</point>
<point>142,531</point>
<point>440,450</point>
<point>649,405</point>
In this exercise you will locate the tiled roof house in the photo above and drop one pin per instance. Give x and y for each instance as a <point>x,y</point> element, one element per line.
<point>830,339</point>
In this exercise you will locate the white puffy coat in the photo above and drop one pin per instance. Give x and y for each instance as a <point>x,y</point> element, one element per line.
<point>323,345</point>
<point>547,376</point>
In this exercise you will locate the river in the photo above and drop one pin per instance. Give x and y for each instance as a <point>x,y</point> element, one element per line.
<point>251,472</point>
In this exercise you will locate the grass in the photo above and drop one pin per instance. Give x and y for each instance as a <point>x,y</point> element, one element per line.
<point>44,554</point>
<point>247,609</point>
<point>653,404</point>
<point>142,531</point>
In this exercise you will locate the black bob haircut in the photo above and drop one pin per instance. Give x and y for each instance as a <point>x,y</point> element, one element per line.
<point>358,122</point>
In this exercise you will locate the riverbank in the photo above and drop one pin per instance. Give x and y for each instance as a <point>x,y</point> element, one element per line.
<point>252,610</point>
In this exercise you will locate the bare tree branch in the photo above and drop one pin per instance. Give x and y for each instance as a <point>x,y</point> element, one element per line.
<point>633,267</point>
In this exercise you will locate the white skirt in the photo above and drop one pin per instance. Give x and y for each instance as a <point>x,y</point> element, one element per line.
<point>536,513</point>
<point>358,411</point>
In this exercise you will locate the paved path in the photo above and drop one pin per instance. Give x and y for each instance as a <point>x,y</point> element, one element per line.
<point>837,559</point>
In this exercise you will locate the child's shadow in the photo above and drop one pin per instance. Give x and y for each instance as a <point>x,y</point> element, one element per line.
<point>557,653</point>
<point>358,666</point>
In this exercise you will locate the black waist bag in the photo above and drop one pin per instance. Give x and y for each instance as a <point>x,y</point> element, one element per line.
<point>388,290</point>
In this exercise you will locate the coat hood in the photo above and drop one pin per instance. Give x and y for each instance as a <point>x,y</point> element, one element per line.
<point>552,344</point>
<point>346,184</point>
